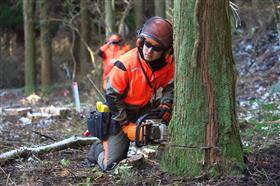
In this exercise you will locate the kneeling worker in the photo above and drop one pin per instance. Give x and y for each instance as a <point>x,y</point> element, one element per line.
<point>132,87</point>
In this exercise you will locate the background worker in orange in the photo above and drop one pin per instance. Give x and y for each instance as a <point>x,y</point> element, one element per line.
<point>133,86</point>
<point>109,52</point>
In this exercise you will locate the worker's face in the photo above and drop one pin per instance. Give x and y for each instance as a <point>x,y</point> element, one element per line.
<point>151,50</point>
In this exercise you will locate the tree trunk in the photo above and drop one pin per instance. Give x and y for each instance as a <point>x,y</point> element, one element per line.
<point>160,8</point>
<point>84,37</point>
<point>139,17</point>
<point>29,53</point>
<point>110,16</point>
<point>6,43</point>
<point>46,47</point>
<point>204,139</point>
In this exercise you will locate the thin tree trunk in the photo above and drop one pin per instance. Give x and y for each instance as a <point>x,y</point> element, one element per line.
<point>139,17</point>
<point>160,8</point>
<point>85,37</point>
<point>205,138</point>
<point>46,47</point>
<point>29,37</point>
<point>169,9</point>
<point>6,43</point>
<point>110,16</point>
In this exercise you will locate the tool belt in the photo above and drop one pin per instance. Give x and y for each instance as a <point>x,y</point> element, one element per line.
<point>100,123</point>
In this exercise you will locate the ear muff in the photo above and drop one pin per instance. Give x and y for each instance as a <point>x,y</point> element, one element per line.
<point>140,41</point>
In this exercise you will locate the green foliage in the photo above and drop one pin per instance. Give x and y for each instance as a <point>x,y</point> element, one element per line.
<point>89,182</point>
<point>275,87</point>
<point>124,174</point>
<point>123,170</point>
<point>261,126</point>
<point>65,162</point>
<point>252,32</point>
<point>11,15</point>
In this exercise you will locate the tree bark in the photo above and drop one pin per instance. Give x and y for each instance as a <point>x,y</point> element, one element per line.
<point>29,37</point>
<point>25,152</point>
<point>110,16</point>
<point>160,8</point>
<point>85,37</point>
<point>46,47</point>
<point>204,139</point>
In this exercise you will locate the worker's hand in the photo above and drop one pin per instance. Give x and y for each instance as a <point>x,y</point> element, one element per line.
<point>165,112</point>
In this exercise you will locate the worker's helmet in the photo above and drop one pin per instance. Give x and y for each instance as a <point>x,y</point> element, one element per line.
<point>113,38</point>
<point>158,29</point>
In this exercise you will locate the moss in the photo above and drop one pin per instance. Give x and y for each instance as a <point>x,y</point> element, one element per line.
<point>183,163</point>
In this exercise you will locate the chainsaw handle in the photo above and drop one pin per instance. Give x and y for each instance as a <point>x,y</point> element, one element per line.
<point>154,114</point>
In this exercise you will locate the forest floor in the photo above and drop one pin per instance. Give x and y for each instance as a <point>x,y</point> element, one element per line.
<point>258,104</point>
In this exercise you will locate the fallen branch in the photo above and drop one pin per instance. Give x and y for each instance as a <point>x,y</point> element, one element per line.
<point>8,177</point>
<point>24,152</point>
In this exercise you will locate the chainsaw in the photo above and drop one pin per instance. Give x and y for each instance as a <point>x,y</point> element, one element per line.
<point>150,129</point>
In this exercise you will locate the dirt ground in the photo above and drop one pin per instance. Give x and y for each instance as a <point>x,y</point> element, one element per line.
<point>66,167</point>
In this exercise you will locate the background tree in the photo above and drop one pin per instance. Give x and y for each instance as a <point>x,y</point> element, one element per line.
<point>29,53</point>
<point>204,137</point>
<point>85,37</point>
<point>160,8</point>
<point>139,17</point>
<point>169,9</point>
<point>46,46</point>
<point>110,18</point>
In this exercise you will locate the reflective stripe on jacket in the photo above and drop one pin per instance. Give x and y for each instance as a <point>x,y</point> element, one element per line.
<point>128,89</point>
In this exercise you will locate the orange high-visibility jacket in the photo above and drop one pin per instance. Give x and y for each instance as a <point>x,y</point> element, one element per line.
<point>109,54</point>
<point>127,87</point>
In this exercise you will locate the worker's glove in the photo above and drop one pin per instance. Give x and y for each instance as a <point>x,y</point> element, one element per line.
<point>165,112</point>
<point>130,130</point>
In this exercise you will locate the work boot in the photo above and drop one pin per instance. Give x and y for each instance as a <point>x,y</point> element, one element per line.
<point>92,156</point>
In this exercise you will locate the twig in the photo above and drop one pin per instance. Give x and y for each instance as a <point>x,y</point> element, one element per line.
<point>273,122</point>
<point>38,133</point>
<point>236,16</point>
<point>8,177</point>
<point>72,173</point>
<point>93,84</point>
<point>126,11</point>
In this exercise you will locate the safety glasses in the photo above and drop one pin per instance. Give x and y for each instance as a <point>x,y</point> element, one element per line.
<point>150,45</point>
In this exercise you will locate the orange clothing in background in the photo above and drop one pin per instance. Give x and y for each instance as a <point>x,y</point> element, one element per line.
<point>109,54</point>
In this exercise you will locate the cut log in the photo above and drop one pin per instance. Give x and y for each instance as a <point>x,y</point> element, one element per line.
<point>24,152</point>
<point>17,111</point>
<point>61,112</point>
